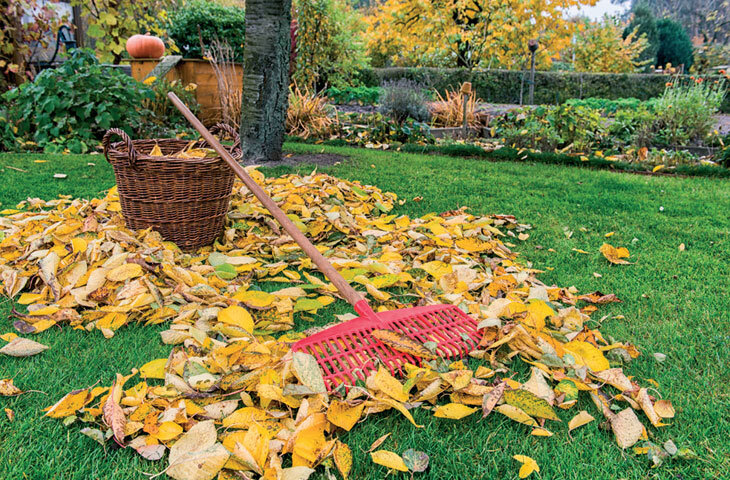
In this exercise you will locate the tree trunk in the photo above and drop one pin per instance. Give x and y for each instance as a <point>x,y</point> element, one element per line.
<point>265,79</point>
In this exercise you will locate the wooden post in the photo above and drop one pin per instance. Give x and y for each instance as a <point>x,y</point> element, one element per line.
<point>465,94</point>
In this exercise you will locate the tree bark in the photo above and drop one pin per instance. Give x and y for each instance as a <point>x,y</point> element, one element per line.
<point>265,79</point>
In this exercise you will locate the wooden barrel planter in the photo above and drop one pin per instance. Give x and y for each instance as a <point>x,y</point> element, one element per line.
<point>191,70</point>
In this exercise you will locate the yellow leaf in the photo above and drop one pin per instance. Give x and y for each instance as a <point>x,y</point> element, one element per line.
<point>153,369</point>
<point>9,337</point>
<point>587,355</point>
<point>530,403</point>
<point>541,432</point>
<point>615,255</point>
<point>388,384</point>
<point>28,298</point>
<point>79,245</point>
<point>124,272</point>
<point>255,298</point>
<point>657,168</point>
<point>69,404</point>
<point>238,316</point>
<point>528,465</point>
<point>389,459</point>
<point>343,415</point>
<point>156,150</point>
<point>537,311</point>
<point>579,420</point>
<point>454,411</point>
<point>437,268</point>
<point>343,459</point>
<point>168,431</point>
<point>516,414</point>
<point>399,406</point>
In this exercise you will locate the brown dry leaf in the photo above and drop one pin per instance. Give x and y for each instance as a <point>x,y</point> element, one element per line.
<point>492,398</point>
<point>113,415</point>
<point>7,388</point>
<point>626,427</point>
<point>22,347</point>
<point>642,398</point>
<point>664,408</point>
<point>402,343</point>
<point>124,272</point>
<point>615,255</point>
<point>197,455</point>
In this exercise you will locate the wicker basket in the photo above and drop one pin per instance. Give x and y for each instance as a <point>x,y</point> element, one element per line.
<point>185,199</point>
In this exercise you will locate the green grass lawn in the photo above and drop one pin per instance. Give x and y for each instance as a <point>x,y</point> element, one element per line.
<point>674,302</point>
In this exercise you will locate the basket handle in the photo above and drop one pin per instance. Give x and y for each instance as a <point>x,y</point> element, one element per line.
<point>218,127</point>
<point>131,152</point>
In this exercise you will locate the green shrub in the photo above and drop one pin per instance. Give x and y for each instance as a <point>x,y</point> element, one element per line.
<point>73,105</point>
<point>581,128</point>
<point>528,128</point>
<point>675,46</point>
<point>555,127</point>
<point>360,95</point>
<point>213,21</point>
<point>404,99</point>
<point>685,112</point>
<point>627,123</point>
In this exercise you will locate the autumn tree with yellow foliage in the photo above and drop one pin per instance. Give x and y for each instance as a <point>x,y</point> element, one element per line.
<point>600,47</point>
<point>468,33</point>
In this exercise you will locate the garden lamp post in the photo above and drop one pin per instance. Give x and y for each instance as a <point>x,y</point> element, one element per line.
<point>532,46</point>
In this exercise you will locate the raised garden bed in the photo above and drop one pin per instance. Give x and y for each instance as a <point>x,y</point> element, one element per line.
<point>196,71</point>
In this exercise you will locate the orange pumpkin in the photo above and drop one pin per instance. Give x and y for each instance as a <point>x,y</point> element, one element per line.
<point>145,46</point>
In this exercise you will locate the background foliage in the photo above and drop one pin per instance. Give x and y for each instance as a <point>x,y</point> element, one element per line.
<point>203,20</point>
<point>503,86</point>
<point>602,47</point>
<point>112,22</point>
<point>329,43</point>
<point>467,33</point>
<point>23,24</point>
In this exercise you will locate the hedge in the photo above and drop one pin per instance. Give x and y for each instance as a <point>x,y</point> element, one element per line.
<point>503,86</point>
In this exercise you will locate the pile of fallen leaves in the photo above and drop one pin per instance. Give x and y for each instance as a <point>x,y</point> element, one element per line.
<point>233,398</point>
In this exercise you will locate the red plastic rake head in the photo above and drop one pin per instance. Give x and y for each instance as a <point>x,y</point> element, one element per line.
<point>348,351</point>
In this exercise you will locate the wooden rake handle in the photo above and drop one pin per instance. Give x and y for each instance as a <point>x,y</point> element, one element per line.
<point>350,294</point>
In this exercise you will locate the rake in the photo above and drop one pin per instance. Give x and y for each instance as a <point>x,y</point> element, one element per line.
<point>348,352</point>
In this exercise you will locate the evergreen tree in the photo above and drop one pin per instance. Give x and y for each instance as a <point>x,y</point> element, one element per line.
<point>675,46</point>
